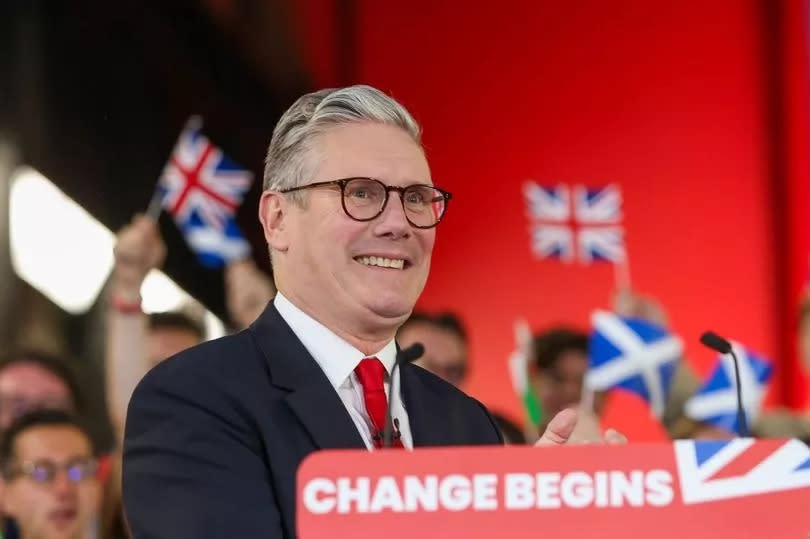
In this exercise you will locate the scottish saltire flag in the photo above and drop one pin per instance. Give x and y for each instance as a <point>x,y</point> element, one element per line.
<point>634,355</point>
<point>202,189</point>
<point>718,470</point>
<point>576,223</point>
<point>716,401</point>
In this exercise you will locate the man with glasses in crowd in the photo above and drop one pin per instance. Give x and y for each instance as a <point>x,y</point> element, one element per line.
<point>49,474</point>
<point>215,435</point>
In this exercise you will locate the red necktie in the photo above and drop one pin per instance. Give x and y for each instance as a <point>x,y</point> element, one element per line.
<point>371,374</point>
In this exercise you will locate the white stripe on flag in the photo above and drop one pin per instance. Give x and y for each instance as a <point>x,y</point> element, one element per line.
<point>211,241</point>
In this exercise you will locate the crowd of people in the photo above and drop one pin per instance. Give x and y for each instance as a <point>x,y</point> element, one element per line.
<point>57,484</point>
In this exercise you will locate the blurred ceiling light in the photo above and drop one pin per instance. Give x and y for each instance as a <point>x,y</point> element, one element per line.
<point>56,246</point>
<point>61,250</point>
<point>160,294</point>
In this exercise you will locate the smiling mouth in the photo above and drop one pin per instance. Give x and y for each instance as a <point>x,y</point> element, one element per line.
<point>382,262</point>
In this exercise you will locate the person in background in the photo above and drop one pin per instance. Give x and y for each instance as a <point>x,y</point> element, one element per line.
<point>137,342</point>
<point>783,422</point>
<point>630,303</point>
<point>445,342</point>
<point>446,355</point>
<point>49,476</point>
<point>560,363</point>
<point>31,380</point>
<point>247,291</point>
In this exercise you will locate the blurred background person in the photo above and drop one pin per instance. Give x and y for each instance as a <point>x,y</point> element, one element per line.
<point>446,355</point>
<point>32,380</point>
<point>49,475</point>
<point>247,291</point>
<point>560,363</point>
<point>137,342</point>
<point>445,341</point>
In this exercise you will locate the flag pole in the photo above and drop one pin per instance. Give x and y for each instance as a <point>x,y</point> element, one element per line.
<point>621,274</point>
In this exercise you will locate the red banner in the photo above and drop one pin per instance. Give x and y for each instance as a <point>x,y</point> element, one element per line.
<point>737,488</point>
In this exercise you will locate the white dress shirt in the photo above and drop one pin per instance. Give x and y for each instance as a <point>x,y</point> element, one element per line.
<point>338,359</point>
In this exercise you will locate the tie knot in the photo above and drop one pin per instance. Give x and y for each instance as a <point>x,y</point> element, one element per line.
<point>371,373</point>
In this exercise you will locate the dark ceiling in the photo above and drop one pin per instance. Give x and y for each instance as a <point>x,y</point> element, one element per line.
<point>95,93</point>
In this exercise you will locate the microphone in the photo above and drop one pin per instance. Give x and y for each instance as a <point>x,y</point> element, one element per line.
<point>721,345</point>
<point>406,355</point>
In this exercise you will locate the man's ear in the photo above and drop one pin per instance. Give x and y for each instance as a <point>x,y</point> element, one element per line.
<point>273,214</point>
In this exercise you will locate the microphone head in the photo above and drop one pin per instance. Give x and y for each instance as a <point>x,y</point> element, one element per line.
<point>412,353</point>
<point>715,342</point>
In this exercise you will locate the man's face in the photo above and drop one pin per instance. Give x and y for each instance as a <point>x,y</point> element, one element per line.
<point>445,352</point>
<point>320,251</point>
<point>560,386</point>
<point>166,342</point>
<point>25,387</point>
<point>61,508</point>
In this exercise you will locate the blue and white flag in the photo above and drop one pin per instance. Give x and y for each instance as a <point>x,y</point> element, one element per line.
<point>715,402</point>
<point>202,189</point>
<point>634,355</point>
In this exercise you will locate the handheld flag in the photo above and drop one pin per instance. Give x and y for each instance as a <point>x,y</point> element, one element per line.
<point>716,400</point>
<point>634,355</point>
<point>202,189</point>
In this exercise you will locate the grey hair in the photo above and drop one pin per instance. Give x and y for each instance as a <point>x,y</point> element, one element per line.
<point>288,163</point>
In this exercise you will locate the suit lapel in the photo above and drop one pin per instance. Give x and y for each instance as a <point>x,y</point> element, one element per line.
<point>428,416</point>
<point>311,396</point>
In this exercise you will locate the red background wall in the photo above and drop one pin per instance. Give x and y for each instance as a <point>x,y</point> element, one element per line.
<point>673,101</point>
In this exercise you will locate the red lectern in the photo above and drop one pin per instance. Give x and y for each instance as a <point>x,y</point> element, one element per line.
<point>735,488</point>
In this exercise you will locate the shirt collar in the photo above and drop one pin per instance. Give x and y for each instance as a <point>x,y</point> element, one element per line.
<point>336,358</point>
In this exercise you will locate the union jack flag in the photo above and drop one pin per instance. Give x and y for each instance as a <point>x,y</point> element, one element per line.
<point>719,470</point>
<point>202,189</point>
<point>576,223</point>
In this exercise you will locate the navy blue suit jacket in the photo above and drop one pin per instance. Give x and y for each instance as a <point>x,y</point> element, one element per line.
<point>215,434</point>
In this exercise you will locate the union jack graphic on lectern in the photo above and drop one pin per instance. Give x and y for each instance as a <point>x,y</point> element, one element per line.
<point>719,470</point>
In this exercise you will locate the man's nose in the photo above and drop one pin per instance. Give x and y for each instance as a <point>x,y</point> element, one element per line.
<point>392,221</point>
<point>62,485</point>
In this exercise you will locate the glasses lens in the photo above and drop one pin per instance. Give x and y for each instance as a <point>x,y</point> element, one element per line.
<point>81,469</point>
<point>424,205</point>
<point>363,197</point>
<point>42,472</point>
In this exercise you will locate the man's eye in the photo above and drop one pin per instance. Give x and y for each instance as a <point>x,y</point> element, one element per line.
<point>359,193</point>
<point>415,197</point>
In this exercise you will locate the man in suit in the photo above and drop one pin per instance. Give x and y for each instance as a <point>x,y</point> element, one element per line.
<point>214,435</point>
